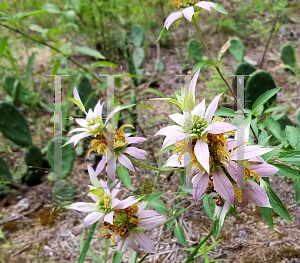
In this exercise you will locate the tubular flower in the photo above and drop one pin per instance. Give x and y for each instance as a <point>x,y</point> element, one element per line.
<point>105,202</point>
<point>198,127</point>
<point>122,147</point>
<point>188,8</point>
<point>129,225</point>
<point>93,123</point>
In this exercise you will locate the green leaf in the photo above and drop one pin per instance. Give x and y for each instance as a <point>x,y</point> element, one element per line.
<point>179,234</point>
<point>77,102</point>
<point>175,206</point>
<point>179,211</point>
<point>4,171</point>
<point>220,9</point>
<point>29,67</point>
<point>290,156</point>
<point>287,171</point>
<point>292,135</point>
<point>170,224</point>
<point>200,64</point>
<point>90,52</point>
<point>162,32</point>
<point>117,256</point>
<point>225,112</point>
<point>263,98</point>
<point>153,197</point>
<point>3,43</point>
<point>68,156</point>
<point>273,127</point>
<point>102,64</point>
<point>37,28</point>
<point>159,206</point>
<point>51,8</point>
<point>22,15</point>
<point>172,101</point>
<point>207,206</point>
<point>269,155</point>
<point>137,35</point>
<point>275,202</point>
<point>154,91</point>
<point>277,108</point>
<point>297,190</point>
<point>267,213</point>
<point>124,176</point>
<point>237,49</point>
<point>263,138</point>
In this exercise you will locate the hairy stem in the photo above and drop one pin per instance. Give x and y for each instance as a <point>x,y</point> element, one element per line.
<point>53,48</point>
<point>220,74</point>
<point>192,255</point>
<point>87,242</point>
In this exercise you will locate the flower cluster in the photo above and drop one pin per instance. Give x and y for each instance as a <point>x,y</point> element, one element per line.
<point>124,220</point>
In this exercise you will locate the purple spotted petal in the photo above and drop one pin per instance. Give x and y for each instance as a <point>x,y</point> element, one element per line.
<point>136,152</point>
<point>250,152</point>
<point>135,140</point>
<point>171,19</point>
<point>210,111</point>
<point>127,202</point>
<point>144,242</point>
<point>263,170</point>
<point>150,223</point>
<point>223,186</point>
<point>147,213</point>
<point>84,207</point>
<point>82,122</point>
<point>116,190</point>
<point>104,186</point>
<point>76,138</point>
<point>188,13</point>
<point>92,218</point>
<point>236,172</point>
<point>171,139</point>
<point>109,217</point>
<point>132,243</point>
<point>199,110</point>
<point>202,154</point>
<point>193,83</point>
<point>93,177</point>
<point>169,130</point>
<point>78,130</point>
<point>206,5</point>
<point>125,162</point>
<point>200,184</point>
<point>256,194</point>
<point>219,127</point>
<point>178,118</point>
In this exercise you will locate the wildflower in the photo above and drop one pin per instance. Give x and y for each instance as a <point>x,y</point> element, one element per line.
<point>198,126</point>
<point>129,225</point>
<point>93,123</point>
<point>121,148</point>
<point>105,201</point>
<point>188,8</point>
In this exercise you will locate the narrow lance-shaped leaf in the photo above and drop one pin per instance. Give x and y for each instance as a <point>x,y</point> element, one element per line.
<point>179,234</point>
<point>275,201</point>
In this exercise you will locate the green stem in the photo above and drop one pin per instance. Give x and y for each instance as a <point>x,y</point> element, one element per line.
<point>192,255</point>
<point>173,217</point>
<point>153,168</point>
<point>220,74</point>
<point>53,48</point>
<point>87,242</point>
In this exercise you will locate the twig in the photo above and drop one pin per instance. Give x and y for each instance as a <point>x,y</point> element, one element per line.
<point>53,48</point>
<point>273,28</point>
